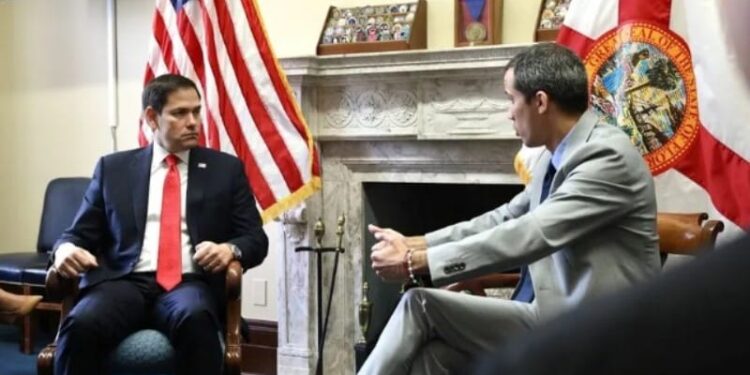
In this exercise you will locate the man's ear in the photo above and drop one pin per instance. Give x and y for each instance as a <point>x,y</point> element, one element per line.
<point>541,99</point>
<point>151,117</point>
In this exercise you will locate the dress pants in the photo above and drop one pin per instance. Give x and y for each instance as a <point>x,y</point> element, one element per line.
<point>108,312</point>
<point>434,331</point>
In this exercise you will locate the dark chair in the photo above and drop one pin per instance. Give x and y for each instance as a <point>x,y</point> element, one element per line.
<point>148,351</point>
<point>25,271</point>
<point>679,234</point>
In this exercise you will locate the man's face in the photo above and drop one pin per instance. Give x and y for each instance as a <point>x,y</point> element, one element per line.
<point>523,114</point>
<point>176,127</point>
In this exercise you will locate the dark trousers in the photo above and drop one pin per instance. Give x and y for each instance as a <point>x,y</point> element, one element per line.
<point>108,312</point>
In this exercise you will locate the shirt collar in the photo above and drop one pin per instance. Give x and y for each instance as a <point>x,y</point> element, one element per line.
<point>159,153</point>
<point>557,156</point>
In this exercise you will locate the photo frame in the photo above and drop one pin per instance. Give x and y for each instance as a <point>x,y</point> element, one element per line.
<point>551,16</point>
<point>477,22</point>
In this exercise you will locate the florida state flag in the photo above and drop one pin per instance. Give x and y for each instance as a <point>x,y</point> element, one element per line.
<point>663,72</point>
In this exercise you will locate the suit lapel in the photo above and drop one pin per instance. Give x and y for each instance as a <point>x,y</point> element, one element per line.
<point>196,169</point>
<point>140,174</point>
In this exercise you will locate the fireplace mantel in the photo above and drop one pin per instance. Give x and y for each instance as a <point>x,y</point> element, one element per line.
<point>414,116</point>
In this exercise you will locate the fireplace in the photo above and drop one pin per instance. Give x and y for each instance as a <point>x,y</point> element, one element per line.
<point>414,209</point>
<point>396,132</point>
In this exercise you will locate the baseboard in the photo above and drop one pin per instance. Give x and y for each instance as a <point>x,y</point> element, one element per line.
<point>259,355</point>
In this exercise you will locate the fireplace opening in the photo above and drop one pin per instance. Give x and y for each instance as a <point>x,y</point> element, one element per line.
<point>414,209</point>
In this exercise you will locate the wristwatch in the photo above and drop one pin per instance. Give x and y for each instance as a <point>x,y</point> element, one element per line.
<point>236,252</point>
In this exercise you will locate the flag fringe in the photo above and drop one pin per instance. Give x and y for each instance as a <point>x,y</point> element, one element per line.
<point>291,200</point>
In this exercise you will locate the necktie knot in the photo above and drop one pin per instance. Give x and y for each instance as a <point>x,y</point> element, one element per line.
<point>171,160</point>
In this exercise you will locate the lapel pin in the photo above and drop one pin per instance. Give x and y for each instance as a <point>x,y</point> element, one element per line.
<point>202,165</point>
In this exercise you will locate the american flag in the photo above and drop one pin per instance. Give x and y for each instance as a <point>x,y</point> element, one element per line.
<point>249,108</point>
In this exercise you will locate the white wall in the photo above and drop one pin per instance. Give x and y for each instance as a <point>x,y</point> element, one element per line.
<point>53,118</point>
<point>53,95</point>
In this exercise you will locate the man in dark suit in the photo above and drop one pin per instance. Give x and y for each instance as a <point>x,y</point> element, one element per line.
<point>156,228</point>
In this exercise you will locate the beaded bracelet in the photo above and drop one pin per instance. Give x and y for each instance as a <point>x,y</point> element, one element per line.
<point>410,266</point>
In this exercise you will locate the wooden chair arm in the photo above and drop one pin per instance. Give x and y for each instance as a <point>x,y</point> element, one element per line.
<point>710,230</point>
<point>686,237</point>
<point>690,218</point>
<point>233,280</point>
<point>60,287</point>
<point>233,292</point>
<point>66,290</point>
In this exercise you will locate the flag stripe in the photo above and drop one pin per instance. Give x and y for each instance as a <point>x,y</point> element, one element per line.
<point>164,42</point>
<point>194,52</point>
<point>279,81</point>
<point>298,146</point>
<point>574,40</point>
<point>189,23</point>
<point>657,12</point>
<point>270,63</point>
<point>711,171</point>
<point>246,127</point>
<point>591,18</point>
<point>260,115</point>
<point>260,187</point>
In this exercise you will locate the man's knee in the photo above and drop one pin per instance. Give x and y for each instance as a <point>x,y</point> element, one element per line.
<point>81,329</point>
<point>414,296</point>
<point>418,299</point>
<point>196,321</point>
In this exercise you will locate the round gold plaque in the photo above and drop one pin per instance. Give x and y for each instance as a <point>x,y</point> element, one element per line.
<point>475,32</point>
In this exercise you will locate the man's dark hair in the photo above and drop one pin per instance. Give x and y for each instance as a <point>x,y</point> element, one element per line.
<point>158,89</point>
<point>557,71</point>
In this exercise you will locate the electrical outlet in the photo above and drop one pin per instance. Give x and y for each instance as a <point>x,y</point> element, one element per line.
<point>258,294</point>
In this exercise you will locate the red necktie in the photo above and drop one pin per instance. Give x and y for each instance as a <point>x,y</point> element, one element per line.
<point>169,267</point>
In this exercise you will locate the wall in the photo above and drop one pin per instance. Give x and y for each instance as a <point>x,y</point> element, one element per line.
<point>53,120</point>
<point>295,26</point>
<point>53,71</point>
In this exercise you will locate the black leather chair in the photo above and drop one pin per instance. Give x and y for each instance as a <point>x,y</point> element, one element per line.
<point>25,271</point>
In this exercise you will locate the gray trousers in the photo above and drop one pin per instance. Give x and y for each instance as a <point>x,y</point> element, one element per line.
<point>434,331</point>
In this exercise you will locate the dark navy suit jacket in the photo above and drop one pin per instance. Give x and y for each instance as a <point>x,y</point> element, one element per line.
<point>111,220</point>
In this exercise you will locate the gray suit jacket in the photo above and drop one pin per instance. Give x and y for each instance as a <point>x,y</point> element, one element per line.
<point>596,231</point>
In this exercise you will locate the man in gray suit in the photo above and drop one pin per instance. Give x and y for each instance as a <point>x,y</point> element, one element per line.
<point>585,226</point>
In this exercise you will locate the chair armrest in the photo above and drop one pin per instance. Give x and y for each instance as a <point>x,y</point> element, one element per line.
<point>695,218</point>
<point>64,289</point>
<point>60,287</point>
<point>234,317</point>
<point>710,230</point>
<point>233,280</point>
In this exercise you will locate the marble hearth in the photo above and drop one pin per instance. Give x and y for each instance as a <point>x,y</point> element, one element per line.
<point>424,117</point>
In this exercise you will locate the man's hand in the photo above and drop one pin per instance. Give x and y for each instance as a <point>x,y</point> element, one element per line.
<point>71,260</point>
<point>213,257</point>
<point>389,254</point>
